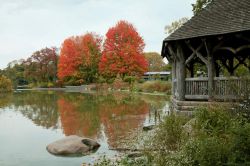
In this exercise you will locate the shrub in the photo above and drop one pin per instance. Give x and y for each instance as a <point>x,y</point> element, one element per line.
<point>119,84</point>
<point>5,84</point>
<point>152,86</point>
<point>168,139</point>
<point>219,137</point>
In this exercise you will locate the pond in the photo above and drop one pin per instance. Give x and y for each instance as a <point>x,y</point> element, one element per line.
<point>30,120</point>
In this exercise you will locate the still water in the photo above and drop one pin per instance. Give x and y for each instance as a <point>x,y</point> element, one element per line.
<point>30,120</point>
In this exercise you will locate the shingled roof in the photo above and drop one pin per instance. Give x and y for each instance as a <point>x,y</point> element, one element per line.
<point>219,17</point>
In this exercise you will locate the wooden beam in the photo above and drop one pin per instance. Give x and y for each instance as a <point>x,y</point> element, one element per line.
<point>233,50</point>
<point>190,58</point>
<point>180,73</point>
<point>203,59</point>
<point>217,69</point>
<point>196,97</point>
<point>228,49</point>
<point>196,51</point>
<point>243,47</point>
<point>166,52</point>
<point>218,46</point>
<point>171,52</point>
<point>240,36</point>
<point>190,67</point>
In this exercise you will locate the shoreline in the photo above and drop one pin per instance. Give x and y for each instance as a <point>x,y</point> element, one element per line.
<point>92,91</point>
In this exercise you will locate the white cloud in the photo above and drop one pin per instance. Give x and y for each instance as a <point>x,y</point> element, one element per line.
<point>29,25</point>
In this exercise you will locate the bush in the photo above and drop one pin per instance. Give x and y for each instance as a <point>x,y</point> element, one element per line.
<point>219,137</point>
<point>5,84</point>
<point>158,86</point>
<point>119,84</point>
<point>168,138</point>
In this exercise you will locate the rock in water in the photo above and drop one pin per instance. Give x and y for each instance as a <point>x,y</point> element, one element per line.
<point>73,145</point>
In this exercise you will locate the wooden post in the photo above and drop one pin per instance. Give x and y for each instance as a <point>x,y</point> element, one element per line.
<point>217,69</point>
<point>173,76</point>
<point>211,71</point>
<point>181,73</point>
<point>191,70</point>
<point>173,60</point>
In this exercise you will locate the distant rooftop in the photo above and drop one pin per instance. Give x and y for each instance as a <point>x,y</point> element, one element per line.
<point>219,17</point>
<point>160,73</point>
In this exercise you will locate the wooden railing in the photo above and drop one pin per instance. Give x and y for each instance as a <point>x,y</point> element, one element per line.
<point>224,88</point>
<point>197,88</point>
<point>230,88</point>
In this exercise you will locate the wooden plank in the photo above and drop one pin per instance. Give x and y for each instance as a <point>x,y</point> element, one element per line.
<point>197,79</point>
<point>196,97</point>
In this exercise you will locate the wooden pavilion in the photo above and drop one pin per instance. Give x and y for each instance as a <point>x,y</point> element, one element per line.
<point>218,38</point>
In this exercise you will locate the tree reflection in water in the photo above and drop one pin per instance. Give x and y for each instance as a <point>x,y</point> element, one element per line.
<point>5,99</point>
<point>116,115</point>
<point>38,106</point>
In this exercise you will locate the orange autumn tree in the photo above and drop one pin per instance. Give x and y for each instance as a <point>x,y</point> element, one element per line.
<point>123,52</point>
<point>79,58</point>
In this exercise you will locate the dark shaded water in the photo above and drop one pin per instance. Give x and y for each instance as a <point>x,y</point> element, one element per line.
<point>29,120</point>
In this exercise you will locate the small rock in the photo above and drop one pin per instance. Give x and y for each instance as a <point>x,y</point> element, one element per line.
<point>147,128</point>
<point>73,145</point>
<point>188,127</point>
<point>134,154</point>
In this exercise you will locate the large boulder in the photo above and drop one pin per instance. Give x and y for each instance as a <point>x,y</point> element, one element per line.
<point>73,145</point>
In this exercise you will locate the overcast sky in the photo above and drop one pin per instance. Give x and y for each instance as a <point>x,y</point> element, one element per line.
<point>29,25</point>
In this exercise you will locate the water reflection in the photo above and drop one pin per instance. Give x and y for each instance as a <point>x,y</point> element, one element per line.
<point>114,115</point>
<point>40,107</point>
<point>5,99</point>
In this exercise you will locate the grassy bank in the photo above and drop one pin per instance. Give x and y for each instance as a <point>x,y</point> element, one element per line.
<point>146,87</point>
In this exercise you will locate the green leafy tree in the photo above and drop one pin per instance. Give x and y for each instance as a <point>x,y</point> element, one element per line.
<point>15,72</point>
<point>42,65</point>
<point>5,84</point>
<point>199,5</point>
<point>175,25</point>
<point>155,61</point>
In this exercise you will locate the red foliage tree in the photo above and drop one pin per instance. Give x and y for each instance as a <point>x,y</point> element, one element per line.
<point>79,58</point>
<point>123,52</point>
<point>41,66</point>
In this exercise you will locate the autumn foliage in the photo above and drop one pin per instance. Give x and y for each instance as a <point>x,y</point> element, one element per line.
<point>82,61</point>
<point>41,66</point>
<point>79,58</point>
<point>123,52</point>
